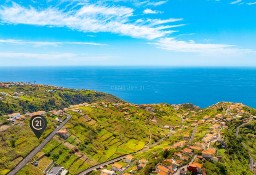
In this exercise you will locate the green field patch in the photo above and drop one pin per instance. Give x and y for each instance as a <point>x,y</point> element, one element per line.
<point>108,154</point>
<point>31,170</point>
<point>74,168</point>
<point>50,146</point>
<point>113,142</point>
<point>44,163</point>
<point>106,136</point>
<point>70,161</point>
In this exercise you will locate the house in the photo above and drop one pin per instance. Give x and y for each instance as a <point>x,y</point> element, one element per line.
<point>179,154</point>
<point>14,116</point>
<point>195,167</point>
<point>107,172</point>
<point>57,171</point>
<point>162,170</point>
<point>196,148</point>
<point>128,159</point>
<point>135,168</point>
<point>171,163</point>
<point>179,144</point>
<point>142,163</point>
<point>63,133</point>
<point>187,151</point>
<point>208,153</point>
<point>208,138</point>
<point>57,113</point>
<point>117,167</point>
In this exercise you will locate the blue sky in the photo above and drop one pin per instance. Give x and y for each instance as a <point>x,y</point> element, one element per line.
<point>128,32</point>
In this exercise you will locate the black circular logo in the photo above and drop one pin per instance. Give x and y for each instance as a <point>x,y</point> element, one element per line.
<point>38,125</point>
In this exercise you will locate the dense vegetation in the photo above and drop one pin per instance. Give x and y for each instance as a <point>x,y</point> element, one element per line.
<point>35,98</point>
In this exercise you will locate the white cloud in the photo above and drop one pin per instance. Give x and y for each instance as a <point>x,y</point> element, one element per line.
<point>170,26</point>
<point>174,45</point>
<point>150,3</point>
<point>157,3</point>
<point>154,22</point>
<point>46,43</point>
<point>113,11</point>
<point>150,11</point>
<point>89,18</point>
<point>236,2</point>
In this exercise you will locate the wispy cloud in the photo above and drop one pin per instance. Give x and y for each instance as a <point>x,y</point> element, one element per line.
<point>89,18</point>
<point>174,45</point>
<point>150,11</point>
<point>240,2</point>
<point>117,19</point>
<point>236,2</point>
<point>157,3</point>
<point>150,3</point>
<point>46,43</point>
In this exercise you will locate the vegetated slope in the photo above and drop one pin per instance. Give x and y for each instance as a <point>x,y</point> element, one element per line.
<point>103,131</point>
<point>31,98</point>
<point>107,127</point>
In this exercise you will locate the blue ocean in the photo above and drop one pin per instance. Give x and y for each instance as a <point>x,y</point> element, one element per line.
<point>146,85</point>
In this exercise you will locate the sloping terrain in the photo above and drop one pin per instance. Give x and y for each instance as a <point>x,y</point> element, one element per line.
<point>105,128</point>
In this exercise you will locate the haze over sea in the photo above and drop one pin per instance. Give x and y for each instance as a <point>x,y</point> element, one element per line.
<point>200,86</point>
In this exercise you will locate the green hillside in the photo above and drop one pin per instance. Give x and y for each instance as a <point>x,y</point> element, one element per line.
<point>17,97</point>
<point>105,128</point>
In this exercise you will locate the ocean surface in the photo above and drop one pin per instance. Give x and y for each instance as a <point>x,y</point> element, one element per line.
<point>143,85</point>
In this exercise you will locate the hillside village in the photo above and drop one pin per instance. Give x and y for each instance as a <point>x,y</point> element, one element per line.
<point>121,138</point>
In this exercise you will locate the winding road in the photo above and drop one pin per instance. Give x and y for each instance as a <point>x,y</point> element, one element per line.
<point>38,148</point>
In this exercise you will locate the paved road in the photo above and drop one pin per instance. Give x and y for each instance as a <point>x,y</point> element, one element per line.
<point>37,149</point>
<point>193,134</point>
<point>87,171</point>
